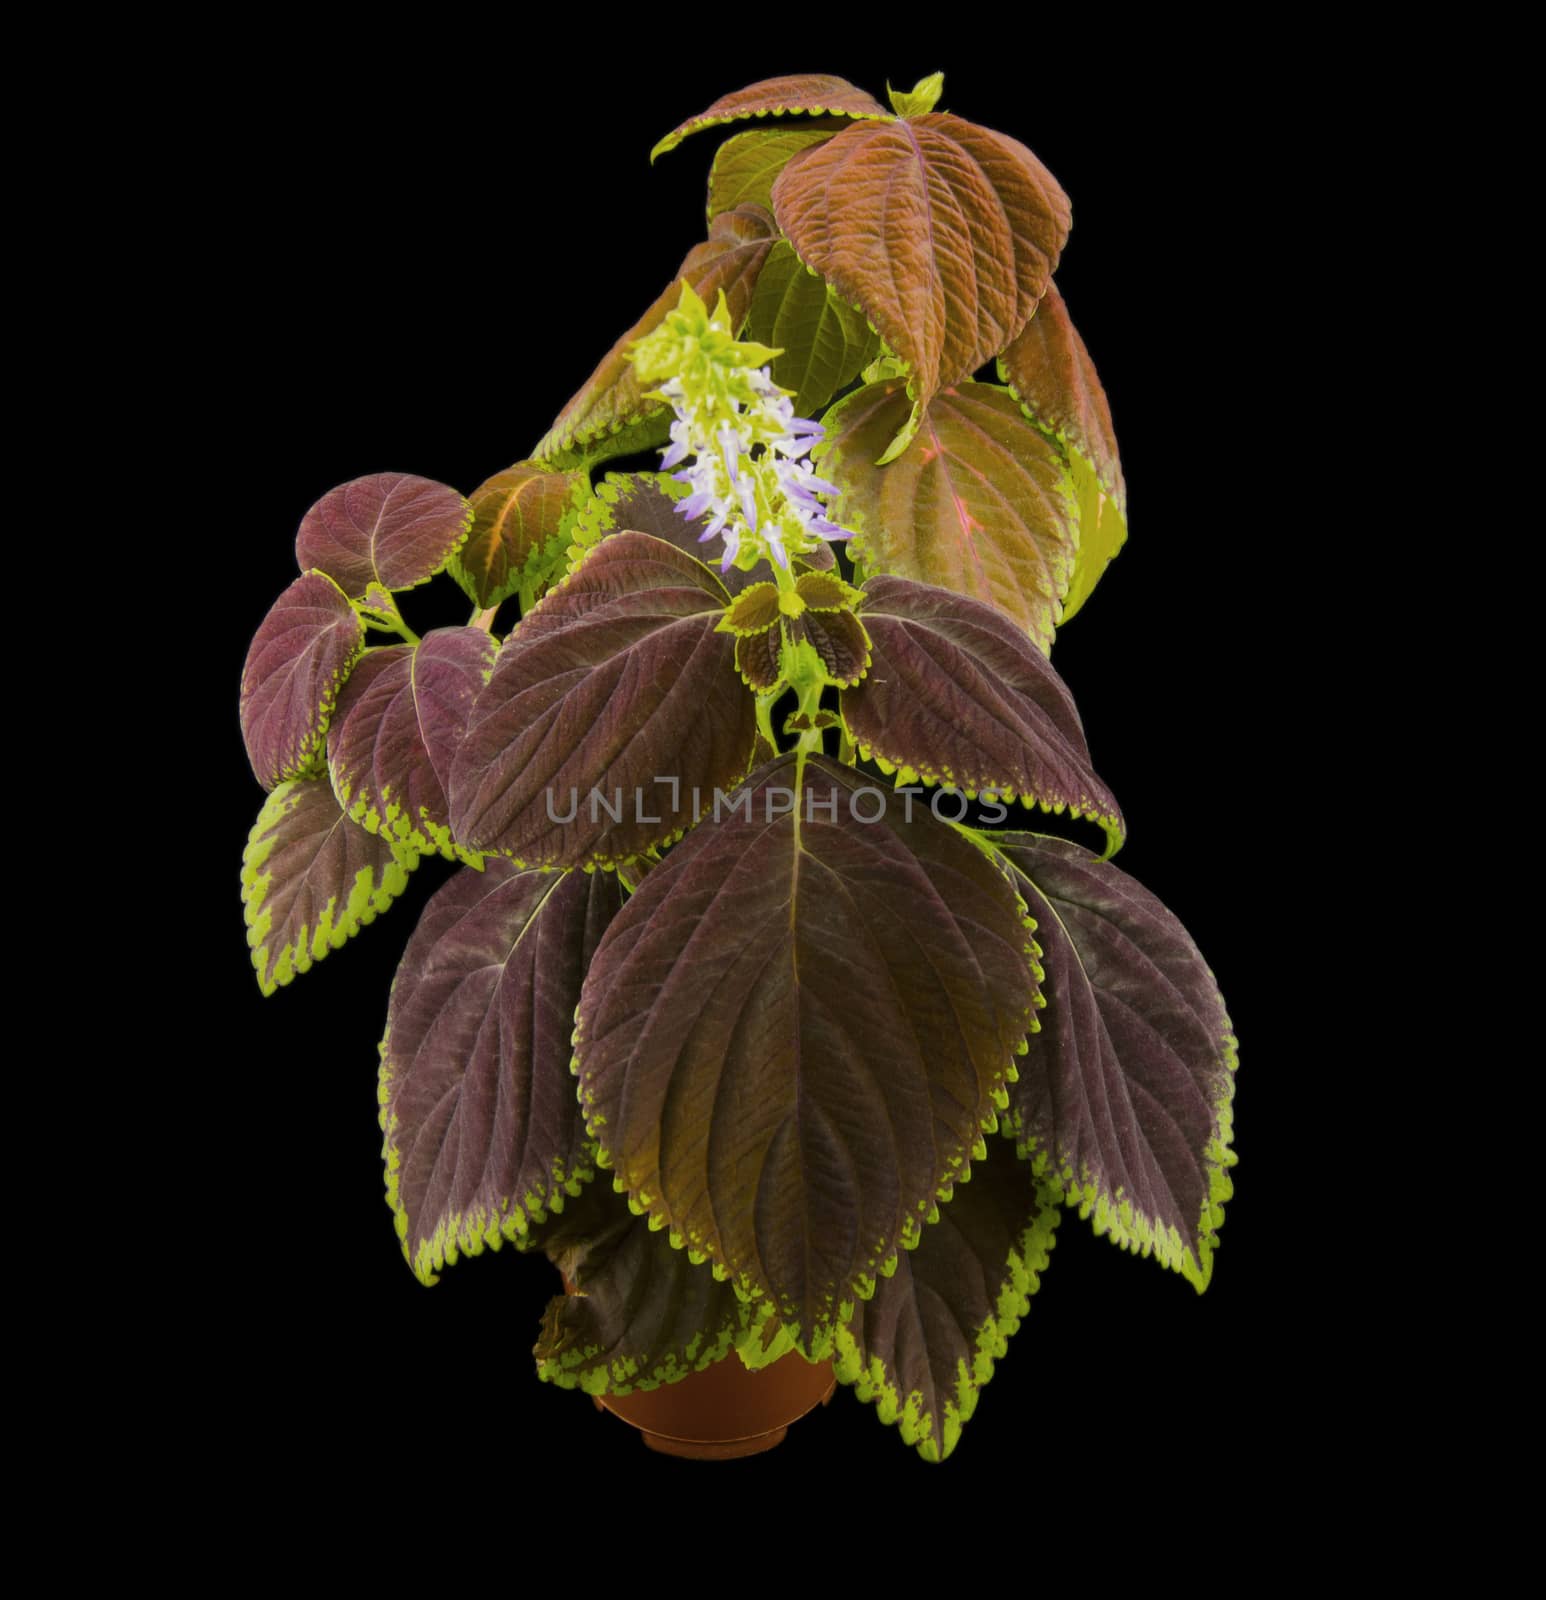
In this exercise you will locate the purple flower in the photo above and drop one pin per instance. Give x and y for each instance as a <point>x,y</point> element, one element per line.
<point>746,470</point>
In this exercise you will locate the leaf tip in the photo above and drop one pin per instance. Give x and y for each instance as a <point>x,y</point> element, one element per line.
<point>920,99</point>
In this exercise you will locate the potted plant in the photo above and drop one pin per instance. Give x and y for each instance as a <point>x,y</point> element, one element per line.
<point>758,999</point>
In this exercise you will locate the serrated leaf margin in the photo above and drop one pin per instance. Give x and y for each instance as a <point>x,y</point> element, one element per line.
<point>869,1380</point>
<point>958,1168</point>
<point>365,901</point>
<point>1112,1216</point>
<point>461,1234</point>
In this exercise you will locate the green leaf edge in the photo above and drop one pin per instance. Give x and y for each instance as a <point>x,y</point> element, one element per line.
<point>727,623</point>
<point>464,1234</point>
<point>577,553</point>
<point>800,661</point>
<point>640,430</point>
<point>701,124</point>
<point>958,1167</point>
<point>364,903</point>
<point>1077,462</point>
<point>595,514</point>
<point>1057,435</point>
<point>1026,1264</point>
<point>306,763</point>
<point>622,1377</point>
<point>434,840</point>
<point>863,1287</point>
<point>903,775</point>
<point>418,583</point>
<point>1113,1217</point>
<point>468,517</point>
<point>858,545</point>
<point>581,448</point>
<point>1084,477</point>
<point>528,1241</point>
<point>542,562</point>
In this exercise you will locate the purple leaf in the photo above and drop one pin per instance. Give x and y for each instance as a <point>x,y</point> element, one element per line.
<point>956,694</point>
<point>1053,377</point>
<point>793,1034</point>
<point>826,623</point>
<point>611,703</point>
<point>396,730</point>
<point>982,503</point>
<point>1124,1100</point>
<point>924,1346</point>
<point>390,528</point>
<point>450,670</point>
<point>759,659</point>
<point>812,94</point>
<point>643,1314</point>
<point>517,536</point>
<point>610,414</point>
<point>1051,374</point>
<point>296,665</point>
<point>312,879</point>
<point>650,502</point>
<point>944,234</point>
<point>478,1107</point>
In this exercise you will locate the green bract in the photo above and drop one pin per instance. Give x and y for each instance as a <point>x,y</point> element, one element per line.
<point>731,764</point>
<point>701,352</point>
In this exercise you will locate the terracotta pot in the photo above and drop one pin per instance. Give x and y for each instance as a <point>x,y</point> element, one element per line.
<point>725,1411</point>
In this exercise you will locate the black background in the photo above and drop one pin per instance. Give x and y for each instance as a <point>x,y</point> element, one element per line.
<point>411,265</point>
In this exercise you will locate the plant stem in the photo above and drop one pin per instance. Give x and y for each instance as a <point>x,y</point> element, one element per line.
<point>384,624</point>
<point>484,619</point>
<point>765,718</point>
<point>810,703</point>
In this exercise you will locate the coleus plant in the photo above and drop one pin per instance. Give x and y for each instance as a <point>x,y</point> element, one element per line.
<point>736,759</point>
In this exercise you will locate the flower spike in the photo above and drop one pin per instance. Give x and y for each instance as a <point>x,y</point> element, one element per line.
<point>748,473</point>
